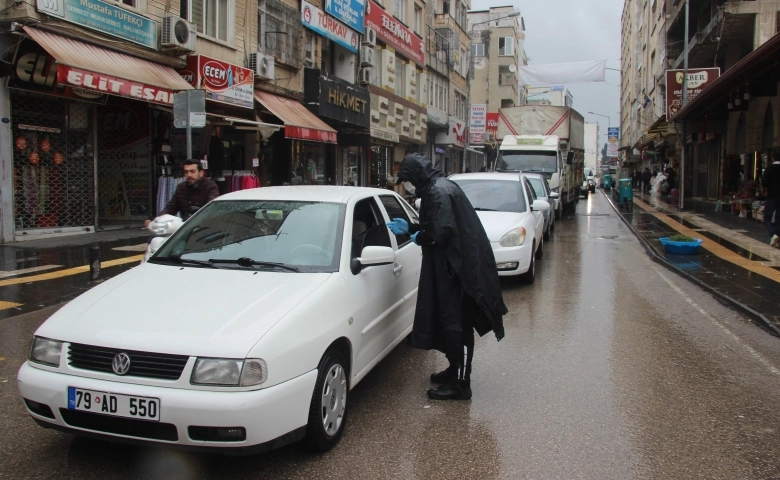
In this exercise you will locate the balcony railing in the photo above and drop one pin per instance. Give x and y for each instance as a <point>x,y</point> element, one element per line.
<point>438,48</point>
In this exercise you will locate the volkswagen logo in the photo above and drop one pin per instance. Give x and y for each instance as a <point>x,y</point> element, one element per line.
<point>121,363</point>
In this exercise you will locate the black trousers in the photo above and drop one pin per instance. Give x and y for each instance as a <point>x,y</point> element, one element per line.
<point>460,345</point>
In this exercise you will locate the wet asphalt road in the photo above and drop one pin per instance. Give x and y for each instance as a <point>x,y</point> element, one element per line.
<point>611,368</point>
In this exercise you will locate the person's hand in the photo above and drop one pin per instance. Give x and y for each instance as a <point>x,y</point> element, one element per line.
<point>398,226</point>
<point>147,222</point>
<point>414,237</point>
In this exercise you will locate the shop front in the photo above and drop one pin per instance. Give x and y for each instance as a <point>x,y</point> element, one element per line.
<point>81,123</point>
<point>345,107</point>
<point>452,145</point>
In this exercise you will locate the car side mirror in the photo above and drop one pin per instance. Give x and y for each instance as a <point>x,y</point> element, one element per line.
<point>540,206</point>
<point>372,256</point>
<point>554,194</point>
<point>569,158</point>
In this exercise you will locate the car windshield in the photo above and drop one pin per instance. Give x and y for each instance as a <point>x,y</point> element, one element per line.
<point>494,195</point>
<point>527,161</point>
<point>284,235</point>
<point>538,187</point>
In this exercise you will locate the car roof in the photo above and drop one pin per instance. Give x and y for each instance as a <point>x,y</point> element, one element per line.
<point>306,193</point>
<point>486,176</point>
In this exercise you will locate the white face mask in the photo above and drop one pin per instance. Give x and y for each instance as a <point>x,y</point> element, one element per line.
<point>409,187</point>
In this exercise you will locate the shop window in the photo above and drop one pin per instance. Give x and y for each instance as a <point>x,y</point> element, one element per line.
<point>395,210</point>
<point>506,46</point>
<point>280,31</point>
<point>214,18</point>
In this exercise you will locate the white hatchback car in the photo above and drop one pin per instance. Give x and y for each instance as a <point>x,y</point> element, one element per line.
<point>512,217</point>
<point>244,331</point>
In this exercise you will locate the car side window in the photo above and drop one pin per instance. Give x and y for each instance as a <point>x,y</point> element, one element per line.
<point>368,227</point>
<point>530,192</point>
<point>396,210</point>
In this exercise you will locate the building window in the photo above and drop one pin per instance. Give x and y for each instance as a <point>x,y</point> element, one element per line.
<point>506,46</point>
<point>400,77</point>
<point>418,20</point>
<point>478,50</point>
<point>505,77</point>
<point>460,105</point>
<point>507,103</point>
<point>279,32</point>
<point>464,62</point>
<point>310,49</point>
<point>438,91</point>
<point>399,10</point>
<point>215,18</point>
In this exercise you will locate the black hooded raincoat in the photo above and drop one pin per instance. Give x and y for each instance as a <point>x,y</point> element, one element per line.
<point>457,260</point>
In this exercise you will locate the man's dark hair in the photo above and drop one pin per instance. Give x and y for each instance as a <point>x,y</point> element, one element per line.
<point>193,162</point>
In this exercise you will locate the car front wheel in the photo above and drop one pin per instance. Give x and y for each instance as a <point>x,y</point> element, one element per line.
<point>328,409</point>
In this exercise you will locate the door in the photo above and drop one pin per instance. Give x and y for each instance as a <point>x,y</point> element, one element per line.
<point>374,289</point>
<point>538,217</point>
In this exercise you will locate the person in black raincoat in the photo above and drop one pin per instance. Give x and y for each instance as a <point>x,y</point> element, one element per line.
<point>459,289</point>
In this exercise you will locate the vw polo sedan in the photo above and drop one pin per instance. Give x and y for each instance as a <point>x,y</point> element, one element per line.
<point>246,330</point>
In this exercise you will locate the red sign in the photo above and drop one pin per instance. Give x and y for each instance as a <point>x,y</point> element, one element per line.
<point>223,82</point>
<point>98,82</point>
<point>311,134</point>
<point>395,33</point>
<point>698,80</point>
<point>492,124</point>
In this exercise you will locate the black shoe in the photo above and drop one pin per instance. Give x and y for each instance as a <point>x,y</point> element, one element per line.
<point>456,391</point>
<point>442,377</point>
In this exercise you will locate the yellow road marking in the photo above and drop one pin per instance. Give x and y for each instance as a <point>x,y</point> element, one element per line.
<point>6,305</point>
<point>717,249</point>
<point>69,271</point>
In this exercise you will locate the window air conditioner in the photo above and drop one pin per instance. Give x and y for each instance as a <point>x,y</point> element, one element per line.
<point>262,65</point>
<point>367,56</point>
<point>178,34</point>
<point>369,38</point>
<point>364,76</point>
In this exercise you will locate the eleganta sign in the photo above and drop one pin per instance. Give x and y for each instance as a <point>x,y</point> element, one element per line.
<point>329,96</point>
<point>698,80</point>
<point>103,17</point>
<point>99,82</point>
<point>35,70</point>
<point>315,19</point>
<point>395,33</point>
<point>613,137</point>
<point>222,81</point>
<point>348,11</point>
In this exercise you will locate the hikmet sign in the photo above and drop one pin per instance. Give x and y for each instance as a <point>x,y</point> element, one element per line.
<point>333,98</point>
<point>222,81</point>
<point>104,17</point>
<point>394,33</point>
<point>327,26</point>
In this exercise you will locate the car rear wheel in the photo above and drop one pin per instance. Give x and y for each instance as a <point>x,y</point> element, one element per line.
<point>328,409</point>
<point>529,276</point>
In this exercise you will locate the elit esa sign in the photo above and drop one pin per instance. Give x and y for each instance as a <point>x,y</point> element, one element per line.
<point>103,17</point>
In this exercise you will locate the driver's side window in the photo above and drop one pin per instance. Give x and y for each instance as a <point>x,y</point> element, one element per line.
<point>368,229</point>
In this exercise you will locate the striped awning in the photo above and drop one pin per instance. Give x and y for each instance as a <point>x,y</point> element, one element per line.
<point>299,123</point>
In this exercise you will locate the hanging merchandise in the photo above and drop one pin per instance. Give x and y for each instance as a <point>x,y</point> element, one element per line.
<point>34,158</point>
<point>241,180</point>
<point>45,145</point>
<point>21,143</point>
<point>58,158</point>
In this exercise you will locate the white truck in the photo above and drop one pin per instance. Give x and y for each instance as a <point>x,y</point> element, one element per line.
<point>544,139</point>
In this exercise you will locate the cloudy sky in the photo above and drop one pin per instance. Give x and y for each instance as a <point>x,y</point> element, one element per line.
<point>574,30</point>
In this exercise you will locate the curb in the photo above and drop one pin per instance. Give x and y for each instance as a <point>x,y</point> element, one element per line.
<point>759,318</point>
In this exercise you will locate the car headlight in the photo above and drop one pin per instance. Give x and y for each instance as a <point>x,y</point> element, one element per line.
<point>46,351</point>
<point>229,372</point>
<point>513,238</point>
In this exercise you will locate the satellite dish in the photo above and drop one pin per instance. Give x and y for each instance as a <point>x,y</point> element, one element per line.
<point>513,68</point>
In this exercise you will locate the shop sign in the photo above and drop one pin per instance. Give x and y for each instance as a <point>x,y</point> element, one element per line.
<point>222,81</point>
<point>348,11</point>
<point>35,70</point>
<point>383,135</point>
<point>315,19</point>
<point>76,77</point>
<point>613,135</point>
<point>331,97</point>
<point>478,123</point>
<point>395,33</point>
<point>104,17</point>
<point>491,128</point>
<point>455,134</point>
<point>698,80</point>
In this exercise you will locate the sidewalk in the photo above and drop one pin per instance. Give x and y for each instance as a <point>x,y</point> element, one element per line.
<point>735,262</point>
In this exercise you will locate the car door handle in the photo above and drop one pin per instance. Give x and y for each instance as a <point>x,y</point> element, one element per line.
<point>398,269</point>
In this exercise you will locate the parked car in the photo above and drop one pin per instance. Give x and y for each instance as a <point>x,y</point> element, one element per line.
<point>542,190</point>
<point>245,330</point>
<point>513,219</point>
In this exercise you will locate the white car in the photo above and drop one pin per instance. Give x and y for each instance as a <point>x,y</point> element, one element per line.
<point>244,331</point>
<point>512,217</point>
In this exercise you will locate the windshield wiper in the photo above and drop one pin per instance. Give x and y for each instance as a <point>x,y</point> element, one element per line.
<point>178,259</point>
<point>248,262</point>
<point>480,209</point>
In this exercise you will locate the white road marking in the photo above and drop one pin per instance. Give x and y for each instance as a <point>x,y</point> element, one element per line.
<point>761,359</point>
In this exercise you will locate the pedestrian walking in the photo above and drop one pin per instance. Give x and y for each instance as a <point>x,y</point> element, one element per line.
<point>771,182</point>
<point>646,176</point>
<point>459,289</point>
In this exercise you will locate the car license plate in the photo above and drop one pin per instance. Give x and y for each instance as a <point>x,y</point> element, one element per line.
<point>105,403</point>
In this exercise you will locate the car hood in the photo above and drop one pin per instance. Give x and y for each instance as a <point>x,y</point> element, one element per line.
<point>185,311</point>
<point>497,224</point>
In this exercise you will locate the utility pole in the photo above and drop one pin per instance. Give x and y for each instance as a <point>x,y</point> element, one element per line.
<point>681,187</point>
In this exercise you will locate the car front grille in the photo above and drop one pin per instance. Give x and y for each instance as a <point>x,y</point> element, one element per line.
<point>120,426</point>
<point>142,364</point>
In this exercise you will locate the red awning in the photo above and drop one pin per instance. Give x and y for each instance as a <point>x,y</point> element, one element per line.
<point>299,123</point>
<point>90,67</point>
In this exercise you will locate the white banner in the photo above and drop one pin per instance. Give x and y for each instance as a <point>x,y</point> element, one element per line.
<point>557,73</point>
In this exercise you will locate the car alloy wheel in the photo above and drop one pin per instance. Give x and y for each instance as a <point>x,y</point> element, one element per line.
<point>328,409</point>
